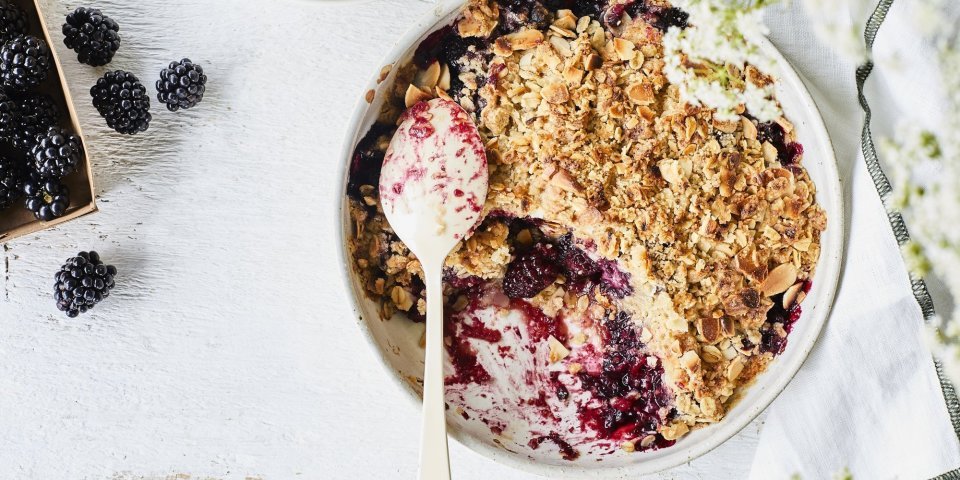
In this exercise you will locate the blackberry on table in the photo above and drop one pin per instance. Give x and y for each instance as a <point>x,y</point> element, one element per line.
<point>181,85</point>
<point>92,35</point>
<point>11,180</point>
<point>36,112</point>
<point>47,198</point>
<point>83,282</point>
<point>13,21</point>
<point>24,62</point>
<point>56,153</point>
<point>123,101</point>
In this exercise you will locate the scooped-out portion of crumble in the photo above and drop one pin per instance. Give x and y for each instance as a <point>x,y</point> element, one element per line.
<point>639,263</point>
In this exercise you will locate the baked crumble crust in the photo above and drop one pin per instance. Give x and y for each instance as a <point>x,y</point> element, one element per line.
<point>716,228</point>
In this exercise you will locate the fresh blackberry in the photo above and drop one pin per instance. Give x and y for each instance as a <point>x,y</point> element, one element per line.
<point>56,153</point>
<point>36,112</point>
<point>181,85</point>
<point>47,198</point>
<point>83,282</point>
<point>92,35</point>
<point>11,180</point>
<point>13,21</point>
<point>123,101</point>
<point>8,116</point>
<point>24,62</point>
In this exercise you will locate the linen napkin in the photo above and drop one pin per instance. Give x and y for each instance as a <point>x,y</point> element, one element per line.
<point>869,398</point>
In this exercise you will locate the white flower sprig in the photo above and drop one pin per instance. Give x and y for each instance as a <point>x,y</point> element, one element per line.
<point>924,167</point>
<point>722,33</point>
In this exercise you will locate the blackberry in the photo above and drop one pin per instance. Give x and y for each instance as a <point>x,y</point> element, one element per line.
<point>92,35</point>
<point>11,181</point>
<point>36,112</point>
<point>56,153</point>
<point>13,21</point>
<point>8,116</point>
<point>181,85</point>
<point>123,101</point>
<point>47,198</point>
<point>531,272</point>
<point>24,62</point>
<point>83,282</point>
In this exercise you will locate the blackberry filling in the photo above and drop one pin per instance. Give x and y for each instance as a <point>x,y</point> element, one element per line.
<point>448,47</point>
<point>788,153</point>
<point>368,159</point>
<point>770,340</point>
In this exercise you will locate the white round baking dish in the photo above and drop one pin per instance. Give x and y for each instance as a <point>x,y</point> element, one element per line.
<point>397,341</point>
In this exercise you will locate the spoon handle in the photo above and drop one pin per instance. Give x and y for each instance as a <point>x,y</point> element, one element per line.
<point>434,459</point>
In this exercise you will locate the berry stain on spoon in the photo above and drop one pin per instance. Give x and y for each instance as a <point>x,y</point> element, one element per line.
<point>434,173</point>
<point>433,185</point>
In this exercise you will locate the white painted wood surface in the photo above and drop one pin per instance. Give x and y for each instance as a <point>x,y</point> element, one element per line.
<point>227,349</point>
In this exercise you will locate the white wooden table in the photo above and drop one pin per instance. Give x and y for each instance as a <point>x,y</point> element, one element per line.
<point>228,349</point>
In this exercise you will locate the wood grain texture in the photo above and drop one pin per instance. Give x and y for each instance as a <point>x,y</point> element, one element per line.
<point>227,349</point>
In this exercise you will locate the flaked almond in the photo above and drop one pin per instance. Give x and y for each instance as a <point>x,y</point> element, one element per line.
<point>690,127</point>
<point>674,431</point>
<point>444,80</point>
<point>566,22</point>
<point>690,361</point>
<point>779,279</point>
<point>428,78</point>
<point>564,32</point>
<point>749,129</point>
<point>757,77</point>
<point>628,446</point>
<point>563,180</point>
<point>711,354</point>
<point>561,45</point>
<point>555,93</point>
<point>384,71</point>
<point>671,172</point>
<point>724,126</point>
<point>646,335</point>
<point>557,350</point>
<point>769,152</point>
<point>728,326</point>
<point>414,96</point>
<point>624,48</point>
<point>371,94</point>
<point>735,368</point>
<point>790,297</point>
<point>574,368</point>
<point>441,93</point>
<point>592,62</point>
<point>502,48</point>
<point>647,441</point>
<point>524,39</point>
<point>641,93</point>
<point>401,298</point>
<point>573,75</point>
<point>469,27</point>
<point>710,329</point>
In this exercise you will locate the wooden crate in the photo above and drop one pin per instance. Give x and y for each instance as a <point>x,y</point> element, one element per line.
<point>16,221</point>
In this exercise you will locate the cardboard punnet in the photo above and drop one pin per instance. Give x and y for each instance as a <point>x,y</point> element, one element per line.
<point>17,221</point>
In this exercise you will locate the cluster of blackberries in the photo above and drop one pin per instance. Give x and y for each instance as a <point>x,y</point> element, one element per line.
<point>119,96</point>
<point>82,283</point>
<point>42,152</point>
